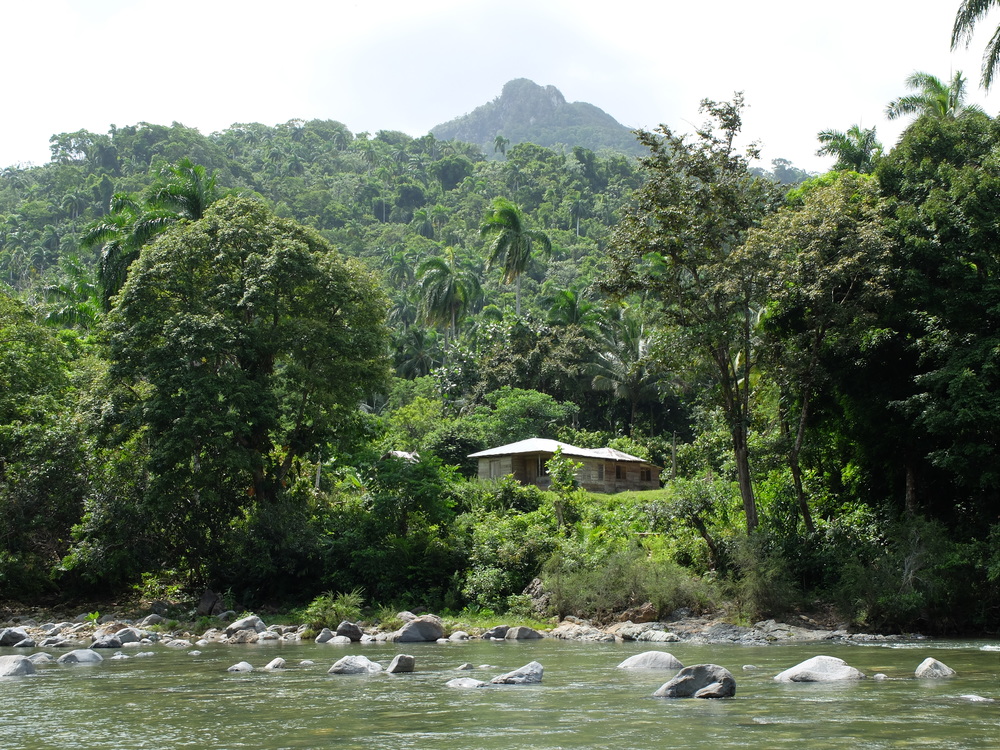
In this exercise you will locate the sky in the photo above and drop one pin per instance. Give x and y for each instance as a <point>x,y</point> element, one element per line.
<point>402,65</point>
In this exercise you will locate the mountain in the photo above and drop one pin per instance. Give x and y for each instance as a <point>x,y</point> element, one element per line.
<point>525,111</point>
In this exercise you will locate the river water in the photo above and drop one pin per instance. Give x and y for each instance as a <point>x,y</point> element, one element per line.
<point>174,699</point>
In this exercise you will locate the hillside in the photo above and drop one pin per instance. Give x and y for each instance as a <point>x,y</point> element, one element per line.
<point>527,112</point>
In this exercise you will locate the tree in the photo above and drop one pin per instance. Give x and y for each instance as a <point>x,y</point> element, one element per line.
<point>857,150</point>
<point>677,246</point>
<point>446,291</point>
<point>243,340</point>
<point>933,97</point>
<point>512,243</point>
<point>970,12</point>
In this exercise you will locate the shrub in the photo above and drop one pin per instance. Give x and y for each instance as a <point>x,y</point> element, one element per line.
<point>329,610</point>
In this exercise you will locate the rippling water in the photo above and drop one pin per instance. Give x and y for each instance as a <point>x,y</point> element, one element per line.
<point>176,700</point>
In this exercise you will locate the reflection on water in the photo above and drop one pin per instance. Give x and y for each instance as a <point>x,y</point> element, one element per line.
<point>175,700</point>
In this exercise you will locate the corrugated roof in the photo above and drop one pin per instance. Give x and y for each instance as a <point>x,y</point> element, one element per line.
<point>544,445</point>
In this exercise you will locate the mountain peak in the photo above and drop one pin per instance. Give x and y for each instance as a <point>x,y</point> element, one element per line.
<point>526,111</point>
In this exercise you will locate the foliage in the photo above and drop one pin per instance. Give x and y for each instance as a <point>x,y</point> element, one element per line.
<point>328,610</point>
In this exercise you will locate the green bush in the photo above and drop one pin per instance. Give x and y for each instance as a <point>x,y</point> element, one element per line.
<point>329,610</point>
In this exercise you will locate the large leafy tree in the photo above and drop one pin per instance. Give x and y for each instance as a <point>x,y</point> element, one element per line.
<point>677,244</point>
<point>447,291</point>
<point>511,243</point>
<point>243,341</point>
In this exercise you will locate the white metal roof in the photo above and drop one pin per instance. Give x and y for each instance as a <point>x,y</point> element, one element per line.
<point>544,445</point>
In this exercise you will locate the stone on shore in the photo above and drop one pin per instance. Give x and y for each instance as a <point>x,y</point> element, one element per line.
<point>573,631</point>
<point>16,666</point>
<point>355,664</point>
<point>652,660</point>
<point>932,669</point>
<point>423,629</point>
<point>349,630</point>
<point>529,674</point>
<point>522,633</point>
<point>700,681</point>
<point>81,656</point>
<point>400,664</point>
<point>820,669</point>
<point>496,632</point>
<point>12,636</point>
<point>251,622</point>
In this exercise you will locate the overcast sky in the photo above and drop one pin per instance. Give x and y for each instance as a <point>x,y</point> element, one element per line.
<point>410,65</point>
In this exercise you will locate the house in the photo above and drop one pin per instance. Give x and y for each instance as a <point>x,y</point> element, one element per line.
<point>604,469</point>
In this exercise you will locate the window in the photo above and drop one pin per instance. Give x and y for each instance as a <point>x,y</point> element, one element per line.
<point>494,468</point>
<point>600,472</point>
<point>619,471</point>
<point>646,475</point>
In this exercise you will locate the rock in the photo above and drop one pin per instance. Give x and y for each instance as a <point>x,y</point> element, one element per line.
<point>652,660</point>
<point>276,663</point>
<point>243,666</point>
<point>880,676</point>
<point>178,643</point>
<point>325,636</point>
<point>571,631</point>
<point>210,604</point>
<point>426,628</point>
<point>269,635</point>
<point>41,658</point>
<point>243,636</point>
<point>159,608</point>
<point>349,630</point>
<point>643,613</point>
<point>820,669</point>
<point>194,652</point>
<point>150,620</point>
<point>699,681</point>
<point>529,674</point>
<point>10,636</point>
<point>81,656</point>
<point>976,699</point>
<point>406,616</point>
<point>118,656</point>
<point>459,635</point>
<point>540,598</point>
<point>500,631</point>
<point>307,663</point>
<point>464,666</point>
<point>401,663</point>
<point>932,669</point>
<point>251,622</point>
<point>657,636</point>
<point>129,635</point>
<point>341,640</point>
<point>522,633</point>
<point>16,666</point>
<point>28,642</point>
<point>465,682</point>
<point>107,641</point>
<point>355,664</point>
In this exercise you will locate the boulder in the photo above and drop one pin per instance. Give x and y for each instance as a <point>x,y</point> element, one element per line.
<point>426,628</point>
<point>349,630</point>
<point>341,640</point>
<point>571,631</point>
<point>275,663</point>
<point>458,635</point>
<point>41,658</point>
<point>243,636</point>
<point>325,636</point>
<point>16,666</point>
<point>243,666</point>
<point>251,622</point>
<point>541,599</point>
<point>652,660</point>
<point>699,681</point>
<point>107,641</point>
<point>11,636</point>
<point>401,663</point>
<point>28,642</point>
<point>464,666</point>
<point>643,613</point>
<point>529,674</point>
<point>500,631</point>
<point>210,604</point>
<point>657,636</point>
<point>465,682</point>
<point>522,633</point>
<point>820,669</point>
<point>129,635</point>
<point>932,669</point>
<point>154,619</point>
<point>81,656</point>
<point>355,664</point>
<point>178,643</point>
<point>406,616</point>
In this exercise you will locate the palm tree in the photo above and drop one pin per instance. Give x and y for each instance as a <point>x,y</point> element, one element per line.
<point>969,14</point>
<point>858,149</point>
<point>500,144</point>
<point>512,243</point>
<point>446,291</point>
<point>567,307</point>
<point>933,97</point>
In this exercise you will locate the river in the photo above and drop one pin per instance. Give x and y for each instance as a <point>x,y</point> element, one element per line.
<point>174,699</point>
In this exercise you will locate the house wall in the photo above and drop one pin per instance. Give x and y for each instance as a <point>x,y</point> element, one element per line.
<point>595,476</point>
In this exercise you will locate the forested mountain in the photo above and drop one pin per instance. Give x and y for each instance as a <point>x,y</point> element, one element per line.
<point>212,344</point>
<point>527,112</point>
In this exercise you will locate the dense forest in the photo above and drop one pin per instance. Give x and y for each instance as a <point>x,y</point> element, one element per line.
<point>213,346</point>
